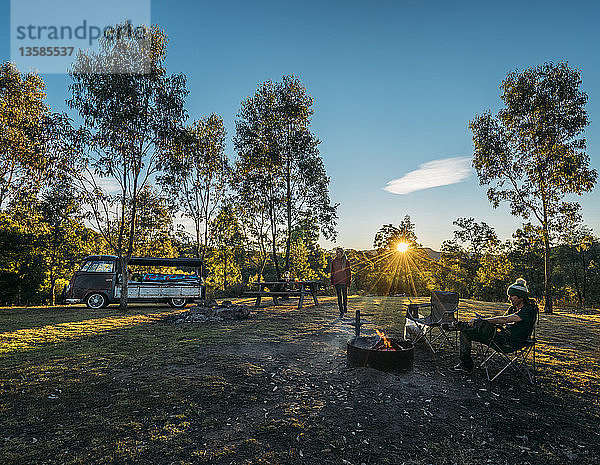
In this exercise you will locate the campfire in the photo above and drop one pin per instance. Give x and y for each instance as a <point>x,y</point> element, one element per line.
<point>383,343</point>
<point>379,352</point>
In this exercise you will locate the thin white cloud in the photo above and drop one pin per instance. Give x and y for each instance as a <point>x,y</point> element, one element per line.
<point>432,174</point>
<point>108,185</point>
<point>187,223</point>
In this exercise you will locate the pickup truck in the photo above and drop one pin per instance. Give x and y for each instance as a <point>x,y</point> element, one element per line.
<point>98,282</point>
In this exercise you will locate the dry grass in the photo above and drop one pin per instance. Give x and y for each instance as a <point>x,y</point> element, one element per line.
<point>83,386</point>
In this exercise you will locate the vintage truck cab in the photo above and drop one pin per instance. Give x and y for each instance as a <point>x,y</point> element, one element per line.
<point>98,282</point>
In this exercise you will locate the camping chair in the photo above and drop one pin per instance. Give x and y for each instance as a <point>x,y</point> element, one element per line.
<point>436,326</point>
<point>520,359</point>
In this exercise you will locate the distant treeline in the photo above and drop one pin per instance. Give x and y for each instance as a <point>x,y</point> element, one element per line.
<point>477,265</point>
<point>39,254</point>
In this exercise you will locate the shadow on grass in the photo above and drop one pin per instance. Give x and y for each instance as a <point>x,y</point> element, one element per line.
<point>275,389</point>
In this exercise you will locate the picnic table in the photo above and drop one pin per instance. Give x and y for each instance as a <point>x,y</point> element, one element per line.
<point>284,290</point>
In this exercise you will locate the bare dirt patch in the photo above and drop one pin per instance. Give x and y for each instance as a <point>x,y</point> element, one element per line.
<point>275,389</point>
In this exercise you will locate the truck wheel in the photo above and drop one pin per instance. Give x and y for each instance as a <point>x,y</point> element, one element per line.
<point>178,302</point>
<point>96,300</point>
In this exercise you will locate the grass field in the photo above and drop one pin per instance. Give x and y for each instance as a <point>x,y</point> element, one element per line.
<point>102,386</point>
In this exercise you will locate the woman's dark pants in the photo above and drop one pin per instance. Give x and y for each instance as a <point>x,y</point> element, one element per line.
<point>342,295</point>
<point>481,331</point>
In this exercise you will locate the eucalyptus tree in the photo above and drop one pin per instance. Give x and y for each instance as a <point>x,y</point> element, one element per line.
<point>526,253</point>
<point>532,152</point>
<point>227,251</point>
<point>132,110</point>
<point>389,236</point>
<point>261,199</point>
<point>196,174</point>
<point>279,159</point>
<point>477,242</point>
<point>574,256</point>
<point>66,240</point>
<point>478,237</point>
<point>400,268</point>
<point>33,140</point>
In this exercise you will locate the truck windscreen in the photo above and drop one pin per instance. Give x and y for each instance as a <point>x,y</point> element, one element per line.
<point>98,266</point>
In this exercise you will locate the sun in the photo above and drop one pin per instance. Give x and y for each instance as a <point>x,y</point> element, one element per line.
<point>402,247</point>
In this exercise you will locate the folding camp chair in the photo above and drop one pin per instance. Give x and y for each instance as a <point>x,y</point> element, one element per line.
<point>520,359</point>
<point>436,326</point>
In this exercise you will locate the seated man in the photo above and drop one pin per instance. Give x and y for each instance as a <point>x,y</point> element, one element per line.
<point>518,320</point>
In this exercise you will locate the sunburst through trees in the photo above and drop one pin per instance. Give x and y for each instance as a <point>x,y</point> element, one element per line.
<point>398,265</point>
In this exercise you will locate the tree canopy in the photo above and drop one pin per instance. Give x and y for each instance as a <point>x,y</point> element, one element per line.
<point>389,236</point>
<point>32,138</point>
<point>279,169</point>
<point>532,152</point>
<point>196,175</point>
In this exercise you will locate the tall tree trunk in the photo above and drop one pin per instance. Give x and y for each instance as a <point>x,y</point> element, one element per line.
<point>584,279</point>
<point>274,251</point>
<point>547,271</point>
<point>264,255</point>
<point>274,234</point>
<point>123,262</point>
<point>197,228</point>
<point>205,211</point>
<point>225,271</point>
<point>54,247</point>
<point>288,200</point>
<point>52,289</point>
<point>547,268</point>
<point>125,276</point>
<point>575,277</point>
<point>547,277</point>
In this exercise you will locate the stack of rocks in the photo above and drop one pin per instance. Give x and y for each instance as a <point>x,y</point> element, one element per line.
<point>209,310</point>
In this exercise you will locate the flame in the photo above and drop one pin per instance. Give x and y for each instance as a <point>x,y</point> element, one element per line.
<point>386,342</point>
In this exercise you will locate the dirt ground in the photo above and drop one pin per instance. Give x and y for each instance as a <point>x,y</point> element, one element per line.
<point>275,389</point>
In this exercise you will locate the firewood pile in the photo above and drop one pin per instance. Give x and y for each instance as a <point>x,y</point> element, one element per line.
<point>207,311</point>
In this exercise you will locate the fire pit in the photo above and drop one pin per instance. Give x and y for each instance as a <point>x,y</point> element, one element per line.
<point>397,355</point>
<point>379,352</point>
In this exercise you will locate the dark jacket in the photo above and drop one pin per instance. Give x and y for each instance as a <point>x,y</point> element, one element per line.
<point>521,330</point>
<point>340,271</point>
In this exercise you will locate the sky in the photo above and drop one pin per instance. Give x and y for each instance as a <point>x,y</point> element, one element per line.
<point>395,85</point>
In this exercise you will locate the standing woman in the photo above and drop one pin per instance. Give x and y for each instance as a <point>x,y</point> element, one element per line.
<point>340,278</point>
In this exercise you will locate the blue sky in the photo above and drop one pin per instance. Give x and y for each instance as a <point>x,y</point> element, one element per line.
<point>395,85</point>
